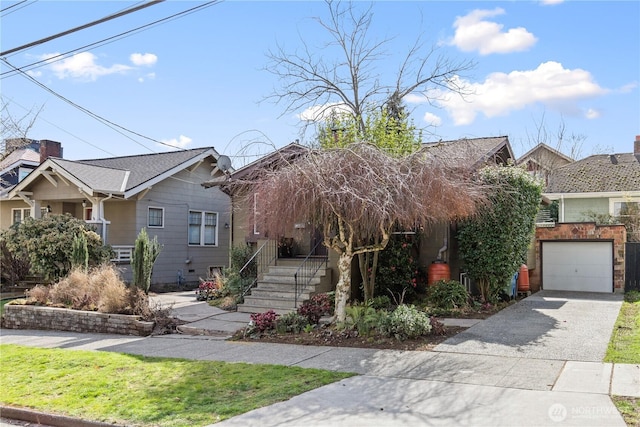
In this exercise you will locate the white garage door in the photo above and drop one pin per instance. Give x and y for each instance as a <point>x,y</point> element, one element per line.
<point>577,266</point>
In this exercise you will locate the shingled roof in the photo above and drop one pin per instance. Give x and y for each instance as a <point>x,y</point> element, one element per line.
<point>478,150</point>
<point>123,175</point>
<point>598,173</point>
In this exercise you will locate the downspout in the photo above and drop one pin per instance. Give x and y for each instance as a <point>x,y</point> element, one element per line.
<point>103,220</point>
<point>562,208</point>
<point>442,249</point>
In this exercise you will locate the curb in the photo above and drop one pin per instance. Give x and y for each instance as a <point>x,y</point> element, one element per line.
<point>52,420</point>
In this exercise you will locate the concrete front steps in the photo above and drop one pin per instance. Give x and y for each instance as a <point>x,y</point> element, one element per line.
<point>276,290</point>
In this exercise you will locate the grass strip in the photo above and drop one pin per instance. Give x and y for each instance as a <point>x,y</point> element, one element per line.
<point>145,391</point>
<point>629,408</point>
<point>624,345</point>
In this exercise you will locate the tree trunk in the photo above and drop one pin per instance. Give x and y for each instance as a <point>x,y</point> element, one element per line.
<point>343,288</point>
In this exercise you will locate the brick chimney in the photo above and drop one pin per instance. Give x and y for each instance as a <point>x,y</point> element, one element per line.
<point>636,146</point>
<point>49,149</point>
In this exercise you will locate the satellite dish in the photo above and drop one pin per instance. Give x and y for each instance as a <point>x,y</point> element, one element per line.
<point>223,164</point>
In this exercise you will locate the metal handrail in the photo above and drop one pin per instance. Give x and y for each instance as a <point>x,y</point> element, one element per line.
<point>263,257</point>
<point>307,271</point>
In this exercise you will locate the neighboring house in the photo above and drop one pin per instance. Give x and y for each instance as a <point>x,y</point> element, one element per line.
<point>121,195</point>
<point>541,160</point>
<point>581,252</point>
<point>23,156</point>
<point>438,242</point>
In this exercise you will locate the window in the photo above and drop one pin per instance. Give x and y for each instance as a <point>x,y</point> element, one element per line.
<point>624,207</point>
<point>203,228</point>
<point>18,215</point>
<point>256,230</point>
<point>156,217</point>
<point>88,212</point>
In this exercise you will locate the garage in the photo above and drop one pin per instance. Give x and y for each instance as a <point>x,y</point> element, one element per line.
<point>585,266</point>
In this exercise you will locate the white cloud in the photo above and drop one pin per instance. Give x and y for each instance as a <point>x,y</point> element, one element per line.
<point>628,87</point>
<point>432,120</point>
<point>143,59</point>
<point>149,76</point>
<point>84,66</point>
<point>474,33</point>
<point>319,113</point>
<point>180,142</point>
<point>551,2</point>
<point>550,84</point>
<point>592,114</point>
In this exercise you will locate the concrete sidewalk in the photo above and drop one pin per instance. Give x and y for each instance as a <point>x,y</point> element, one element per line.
<point>394,387</point>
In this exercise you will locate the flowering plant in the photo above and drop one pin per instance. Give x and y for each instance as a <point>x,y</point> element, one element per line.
<point>208,290</point>
<point>398,271</point>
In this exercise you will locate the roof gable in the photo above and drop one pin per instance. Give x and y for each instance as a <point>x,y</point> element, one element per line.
<point>120,175</point>
<point>479,150</point>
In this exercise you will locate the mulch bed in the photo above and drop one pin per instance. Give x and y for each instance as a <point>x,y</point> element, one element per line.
<point>328,336</point>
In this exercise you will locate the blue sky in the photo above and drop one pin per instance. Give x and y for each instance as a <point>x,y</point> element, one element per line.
<point>199,80</point>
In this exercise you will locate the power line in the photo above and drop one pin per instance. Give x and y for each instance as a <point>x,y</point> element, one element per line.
<point>82,27</point>
<point>90,113</point>
<point>103,42</point>
<point>17,4</point>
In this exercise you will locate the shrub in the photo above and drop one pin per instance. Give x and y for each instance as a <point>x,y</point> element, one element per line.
<point>315,308</point>
<point>143,257</point>
<point>291,322</point>
<point>407,322</point>
<point>79,252</point>
<point>448,295</point>
<point>632,296</point>
<point>398,271</point>
<point>363,318</point>
<point>262,322</point>
<point>14,266</point>
<point>38,294</point>
<point>381,302</point>
<point>47,243</point>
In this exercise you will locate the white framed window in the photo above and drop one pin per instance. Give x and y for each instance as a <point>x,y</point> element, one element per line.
<point>624,206</point>
<point>19,214</point>
<point>155,218</point>
<point>256,230</point>
<point>203,228</point>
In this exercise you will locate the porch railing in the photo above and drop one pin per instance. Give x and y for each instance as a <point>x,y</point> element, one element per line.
<point>123,253</point>
<point>261,259</point>
<point>308,270</point>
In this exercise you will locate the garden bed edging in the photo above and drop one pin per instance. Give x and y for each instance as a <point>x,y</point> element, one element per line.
<point>62,319</point>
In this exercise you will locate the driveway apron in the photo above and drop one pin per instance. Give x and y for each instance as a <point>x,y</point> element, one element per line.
<point>547,325</point>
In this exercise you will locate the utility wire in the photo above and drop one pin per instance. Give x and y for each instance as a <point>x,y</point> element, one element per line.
<point>81,27</point>
<point>17,4</point>
<point>90,113</point>
<point>103,42</point>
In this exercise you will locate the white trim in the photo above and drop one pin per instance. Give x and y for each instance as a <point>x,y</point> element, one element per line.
<point>255,214</point>
<point>613,201</point>
<point>161,217</point>
<point>202,228</point>
<point>592,195</point>
<point>22,217</point>
<point>135,190</point>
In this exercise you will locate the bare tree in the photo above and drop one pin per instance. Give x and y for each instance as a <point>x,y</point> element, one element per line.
<point>358,194</point>
<point>351,80</point>
<point>14,129</point>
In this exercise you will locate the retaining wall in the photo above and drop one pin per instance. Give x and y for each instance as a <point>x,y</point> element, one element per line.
<point>62,319</point>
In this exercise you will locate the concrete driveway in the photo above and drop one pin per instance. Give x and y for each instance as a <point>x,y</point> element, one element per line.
<point>547,325</point>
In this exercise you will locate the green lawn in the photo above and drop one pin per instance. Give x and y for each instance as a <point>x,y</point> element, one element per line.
<point>624,347</point>
<point>145,391</point>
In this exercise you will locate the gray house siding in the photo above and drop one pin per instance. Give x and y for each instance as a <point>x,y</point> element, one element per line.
<point>575,210</point>
<point>177,196</point>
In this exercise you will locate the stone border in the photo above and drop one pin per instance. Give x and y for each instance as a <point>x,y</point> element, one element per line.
<point>61,319</point>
